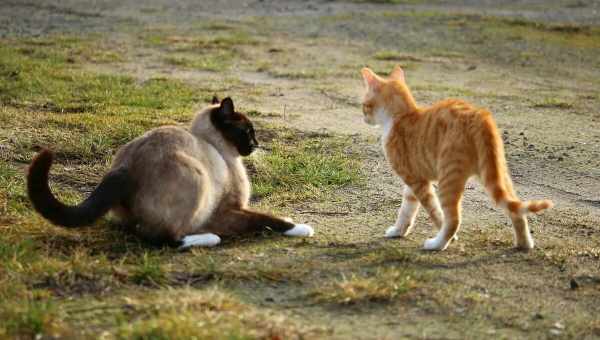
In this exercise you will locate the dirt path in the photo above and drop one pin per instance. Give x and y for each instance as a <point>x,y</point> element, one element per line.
<point>533,63</point>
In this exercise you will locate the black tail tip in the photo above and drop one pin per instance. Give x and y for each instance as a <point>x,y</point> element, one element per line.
<point>43,156</point>
<point>41,163</point>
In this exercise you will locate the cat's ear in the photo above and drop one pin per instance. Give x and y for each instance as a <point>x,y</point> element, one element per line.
<point>370,78</point>
<point>215,100</point>
<point>397,73</point>
<point>227,107</point>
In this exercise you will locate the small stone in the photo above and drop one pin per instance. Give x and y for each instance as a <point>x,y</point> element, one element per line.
<point>559,325</point>
<point>555,332</point>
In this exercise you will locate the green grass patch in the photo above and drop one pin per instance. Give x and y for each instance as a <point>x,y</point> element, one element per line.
<point>30,319</point>
<point>297,166</point>
<point>53,85</point>
<point>82,115</point>
<point>150,272</point>
<point>217,61</point>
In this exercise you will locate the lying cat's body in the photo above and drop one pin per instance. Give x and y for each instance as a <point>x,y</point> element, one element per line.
<point>447,143</point>
<point>172,185</point>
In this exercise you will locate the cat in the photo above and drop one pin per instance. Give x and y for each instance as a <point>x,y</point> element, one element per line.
<point>173,186</point>
<point>447,143</point>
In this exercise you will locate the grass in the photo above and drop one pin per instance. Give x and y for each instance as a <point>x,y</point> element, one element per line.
<point>211,62</point>
<point>207,314</point>
<point>149,272</point>
<point>384,285</point>
<point>215,52</point>
<point>298,167</point>
<point>395,56</point>
<point>553,103</point>
<point>31,319</point>
<point>99,111</point>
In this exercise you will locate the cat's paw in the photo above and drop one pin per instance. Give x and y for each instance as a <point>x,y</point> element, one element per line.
<point>200,240</point>
<point>300,230</point>
<point>435,244</point>
<point>525,245</point>
<point>288,219</point>
<point>394,231</point>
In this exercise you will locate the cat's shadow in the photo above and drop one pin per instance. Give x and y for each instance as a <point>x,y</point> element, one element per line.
<point>116,241</point>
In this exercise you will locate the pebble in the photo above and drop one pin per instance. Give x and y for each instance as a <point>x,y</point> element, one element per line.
<point>574,284</point>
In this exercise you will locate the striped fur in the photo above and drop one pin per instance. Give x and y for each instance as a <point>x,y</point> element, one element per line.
<point>446,143</point>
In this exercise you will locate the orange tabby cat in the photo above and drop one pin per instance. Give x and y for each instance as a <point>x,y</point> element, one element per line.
<point>447,143</point>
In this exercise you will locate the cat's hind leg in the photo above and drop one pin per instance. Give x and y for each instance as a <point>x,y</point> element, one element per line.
<point>406,215</point>
<point>424,192</point>
<point>523,239</point>
<point>451,188</point>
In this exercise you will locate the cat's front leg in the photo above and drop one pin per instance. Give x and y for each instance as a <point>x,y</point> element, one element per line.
<point>257,220</point>
<point>243,221</point>
<point>406,215</point>
<point>298,229</point>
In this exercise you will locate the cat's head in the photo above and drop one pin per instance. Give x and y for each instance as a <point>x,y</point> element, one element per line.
<point>385,97</point>
<point>235,127</point>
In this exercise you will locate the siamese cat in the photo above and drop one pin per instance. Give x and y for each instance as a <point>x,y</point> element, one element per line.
<point>173,186</point>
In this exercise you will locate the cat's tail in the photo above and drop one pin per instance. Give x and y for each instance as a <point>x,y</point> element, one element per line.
<point>114,188</point>
<point>520,208</point>
<point>494,173</point>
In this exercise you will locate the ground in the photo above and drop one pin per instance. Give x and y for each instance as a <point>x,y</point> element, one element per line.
<point>85,77</point>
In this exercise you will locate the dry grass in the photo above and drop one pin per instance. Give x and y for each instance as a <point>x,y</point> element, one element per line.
<point>383,285</point>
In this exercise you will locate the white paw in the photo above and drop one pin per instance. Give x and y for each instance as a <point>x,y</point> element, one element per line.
<point>393,231</point>
<point>288,219</point>
<point>200,240</point>
<point>300,230</point>
<point>526,245</point>
<point>435,244</point>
